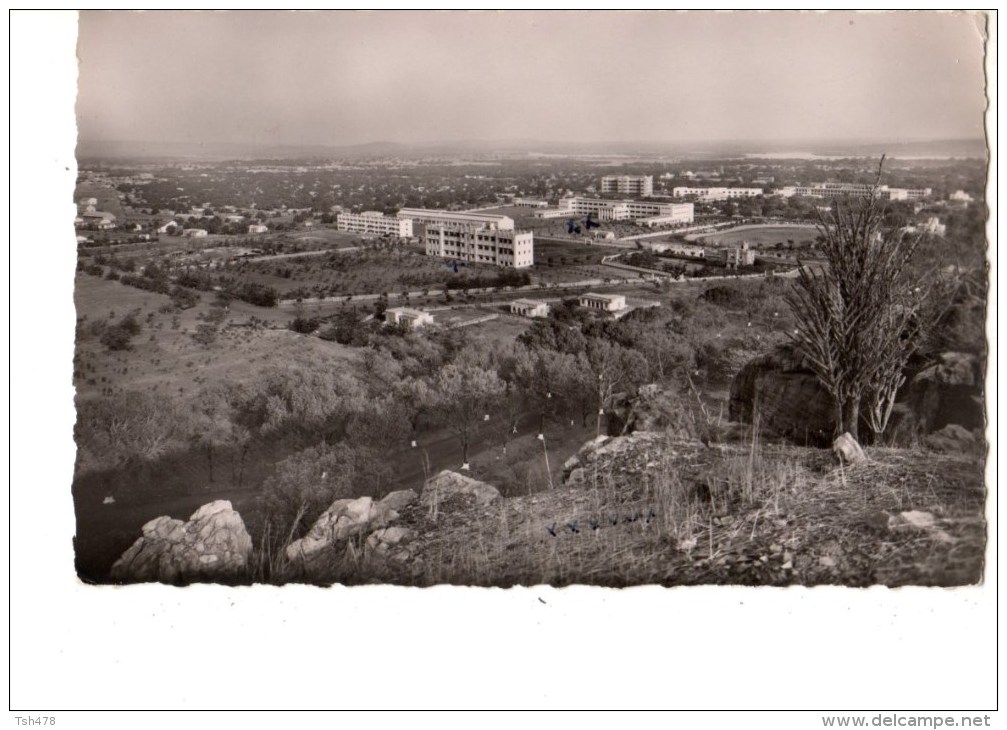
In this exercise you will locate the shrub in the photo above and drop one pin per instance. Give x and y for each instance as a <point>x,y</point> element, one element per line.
<point>304,325</point>
<point>306,483</point>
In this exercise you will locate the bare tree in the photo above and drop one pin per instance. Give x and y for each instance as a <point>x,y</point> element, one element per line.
<point>859,317</point>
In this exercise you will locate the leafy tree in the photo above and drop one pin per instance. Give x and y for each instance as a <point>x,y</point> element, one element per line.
<point>858,317</point>
<point>463,396</point>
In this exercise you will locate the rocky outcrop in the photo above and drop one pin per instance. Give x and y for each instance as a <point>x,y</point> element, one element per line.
<point>952,439</point>
<point>347,518</point>
<point>949,390</point>
<point>628,455</point>
<point>213,545</point>
<point>781,393</point>
<point>449,488</point>
<point>394,544</point>
<point>653,408</point>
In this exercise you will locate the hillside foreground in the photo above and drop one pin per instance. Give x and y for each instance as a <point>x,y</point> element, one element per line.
<point>652,508</point>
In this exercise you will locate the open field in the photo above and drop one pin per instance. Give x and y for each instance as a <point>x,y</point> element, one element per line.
<point>763,236</point>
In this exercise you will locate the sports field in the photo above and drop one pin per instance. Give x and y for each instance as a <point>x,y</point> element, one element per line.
<point>763,235</point>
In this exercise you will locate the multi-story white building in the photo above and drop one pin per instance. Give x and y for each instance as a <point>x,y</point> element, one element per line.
<point>856,190</point>
<point>456,219</point>
<point>375,223</point>
<point>621,210</point>
<point>641,185</point>
<point>714,194</point>
<point>482,245</point>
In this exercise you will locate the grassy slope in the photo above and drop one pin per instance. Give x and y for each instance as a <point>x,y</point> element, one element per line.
<point>166,359</point>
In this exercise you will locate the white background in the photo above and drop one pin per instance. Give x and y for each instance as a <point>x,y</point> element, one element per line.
<point>75,646</point>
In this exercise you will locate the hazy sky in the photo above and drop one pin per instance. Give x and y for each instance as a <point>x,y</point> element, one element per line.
<point>352,77</point>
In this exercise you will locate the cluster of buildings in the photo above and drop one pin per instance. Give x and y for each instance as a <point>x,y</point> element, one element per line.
<point>476,237</point>
<point>932,227</point>
<point>89,217</point>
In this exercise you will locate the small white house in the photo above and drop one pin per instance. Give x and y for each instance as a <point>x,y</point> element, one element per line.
<point>602,302</point>
<point>257,228</point>
<point>411,318</point>
<point>194,233</point>
<point>168,227</point>
<point>529,308</point>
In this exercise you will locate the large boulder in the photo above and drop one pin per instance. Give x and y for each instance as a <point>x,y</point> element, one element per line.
<point>952,439</point>
<point>653,408</point>
<point>213,545</point>
<point>847,450</point>
<point>781,393</point>
<point>452,487</point>
<point>948,390</point>
<point>344,519</point>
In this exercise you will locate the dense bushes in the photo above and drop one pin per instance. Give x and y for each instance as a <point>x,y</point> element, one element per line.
<point>120,335</point>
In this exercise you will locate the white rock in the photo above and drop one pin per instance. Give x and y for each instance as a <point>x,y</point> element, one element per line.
<point>847,450</point>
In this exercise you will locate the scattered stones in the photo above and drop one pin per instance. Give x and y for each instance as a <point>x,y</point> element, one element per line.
<point>397,544</point>
<point>919,521</point>
<point>213,545</point>
<point>847,450</point>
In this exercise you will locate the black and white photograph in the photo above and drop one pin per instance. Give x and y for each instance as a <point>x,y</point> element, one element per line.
<point>501,299</point>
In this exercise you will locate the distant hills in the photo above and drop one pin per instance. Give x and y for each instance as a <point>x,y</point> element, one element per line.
<point>127,149</point>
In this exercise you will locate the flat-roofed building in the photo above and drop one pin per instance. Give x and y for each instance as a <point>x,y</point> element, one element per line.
<point>621,210</point>
<point>714,194</point>
<point>529,308</point>
<point>375,223</point>
<point>498,247</point>
<point>456,219</point>
<point>676,249</point>
<point>854,190</point>
<point>530,203</point>
<point>641,185</point>
<point>411,318</point>
<point>602,302</point>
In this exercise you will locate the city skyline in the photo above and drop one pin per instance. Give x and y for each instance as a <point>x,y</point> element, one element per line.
<point>353,78</point>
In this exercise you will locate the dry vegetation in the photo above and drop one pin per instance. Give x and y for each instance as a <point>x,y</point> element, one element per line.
<point>680,513</point>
